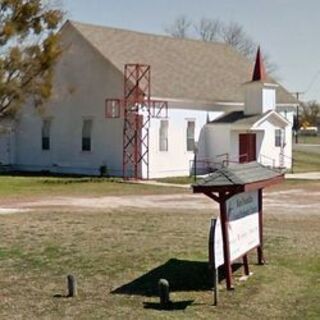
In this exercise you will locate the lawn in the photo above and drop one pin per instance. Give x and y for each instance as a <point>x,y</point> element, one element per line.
<point>177,180</point>
<point>308,139</point>
<point>118,257</point>
<point>15,187</point>
<point>306,161</point>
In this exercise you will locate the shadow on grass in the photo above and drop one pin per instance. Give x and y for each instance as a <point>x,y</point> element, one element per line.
<point>183,275</point>
<point>179,305</point>
<point>61,296</point>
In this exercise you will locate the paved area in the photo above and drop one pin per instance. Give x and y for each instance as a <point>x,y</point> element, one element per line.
<point>312,148</point>
<point>304,176</point>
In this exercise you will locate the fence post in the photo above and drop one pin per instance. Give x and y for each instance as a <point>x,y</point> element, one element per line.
<point>72,286</point>
<point>216,283</point>
<point>195,150</point>
<point>164,293</point>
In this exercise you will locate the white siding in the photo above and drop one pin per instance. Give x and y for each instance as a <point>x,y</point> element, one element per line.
<point>268,152</point>
<point>218,141</point>
<point>82,83</point>
<point>177,160</point>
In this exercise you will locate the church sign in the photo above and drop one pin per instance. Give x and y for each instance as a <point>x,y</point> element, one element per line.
<point>243,220</point>
<point>238,189</point>
<point>243,228</point>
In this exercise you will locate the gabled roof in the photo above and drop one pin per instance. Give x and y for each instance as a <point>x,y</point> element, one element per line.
<point>238,176</point>
<point>239,118</point>
<point>181,69</point>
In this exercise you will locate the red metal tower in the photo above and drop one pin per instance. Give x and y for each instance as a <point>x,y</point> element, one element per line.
<point>137,109</point>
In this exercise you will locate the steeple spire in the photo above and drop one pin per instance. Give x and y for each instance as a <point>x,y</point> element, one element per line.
<point>259,72</point>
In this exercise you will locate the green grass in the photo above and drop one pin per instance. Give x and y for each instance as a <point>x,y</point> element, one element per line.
<point>305,161</point>
<point>308,139</point>
<point>12,187</point>
<point>177,180</point>
<point>127,251</point>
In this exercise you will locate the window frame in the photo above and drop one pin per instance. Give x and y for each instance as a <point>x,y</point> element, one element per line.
<point>166,138</point>
<point>112,108</point>
<point>194,135</point>
<point>86,141</point>
<point>46,134</point>
<point>279,138</point>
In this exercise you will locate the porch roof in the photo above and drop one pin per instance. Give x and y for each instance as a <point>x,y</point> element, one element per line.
<point>237,117</point>
<point>240,119</point>
<point>239,178</point>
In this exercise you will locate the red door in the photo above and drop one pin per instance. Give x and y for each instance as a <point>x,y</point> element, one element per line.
<point>247,147</point>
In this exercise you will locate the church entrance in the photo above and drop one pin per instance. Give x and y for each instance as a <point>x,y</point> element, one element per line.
<point>247,147</point>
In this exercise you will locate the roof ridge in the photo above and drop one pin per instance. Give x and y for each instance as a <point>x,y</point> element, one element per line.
<point>225,174</point>
<point>155,35</point>
<point>219,68</point>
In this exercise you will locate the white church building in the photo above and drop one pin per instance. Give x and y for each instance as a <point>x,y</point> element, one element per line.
<point>212,108</point>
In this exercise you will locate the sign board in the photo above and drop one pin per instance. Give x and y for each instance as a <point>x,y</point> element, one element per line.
<point>243,227</point>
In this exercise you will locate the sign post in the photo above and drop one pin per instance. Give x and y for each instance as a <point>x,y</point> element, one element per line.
<point>261,259</point>
<point>238,190</point>
<point>214,257</point>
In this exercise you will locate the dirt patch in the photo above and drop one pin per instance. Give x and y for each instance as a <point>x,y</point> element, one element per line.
<point>12,210</point>
<point>292,201</point>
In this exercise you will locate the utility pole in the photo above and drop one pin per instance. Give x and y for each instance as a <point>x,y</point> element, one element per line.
<point>297,94</point>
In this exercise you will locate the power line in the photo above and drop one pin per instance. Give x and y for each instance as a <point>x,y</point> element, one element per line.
<point>297,94</point>
<point>312,82</point>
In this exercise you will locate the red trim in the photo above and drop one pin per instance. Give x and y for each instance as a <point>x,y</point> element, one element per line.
<point>137,99</point>
<point>263,184</point>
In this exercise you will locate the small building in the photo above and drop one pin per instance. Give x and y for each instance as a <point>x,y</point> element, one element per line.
<point>199,81</point>
<point>259,132</point>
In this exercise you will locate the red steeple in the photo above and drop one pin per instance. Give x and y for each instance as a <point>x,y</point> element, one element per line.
<point>259,72</point>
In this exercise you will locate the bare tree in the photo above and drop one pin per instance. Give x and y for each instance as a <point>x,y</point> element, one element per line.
<point>216,30</point>
<point>180,27</point>
<point>209,29</point>
<point>310,113</point>
<point>234,35</point>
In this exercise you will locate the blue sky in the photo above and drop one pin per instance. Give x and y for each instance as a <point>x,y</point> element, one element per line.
<point>289,30</point>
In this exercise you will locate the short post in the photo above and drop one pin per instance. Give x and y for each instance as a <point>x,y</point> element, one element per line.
<point>261,259</point>
<point>215,289</point>
<point>72,286</point>
<point>164,293</point>
<point>195,150</point>
<point>245,265</point>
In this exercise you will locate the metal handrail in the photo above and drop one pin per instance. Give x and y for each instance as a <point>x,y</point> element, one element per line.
<point>238,159</point>
<point>222,155</point>
<point>292,161</point>
<point>269,158</point>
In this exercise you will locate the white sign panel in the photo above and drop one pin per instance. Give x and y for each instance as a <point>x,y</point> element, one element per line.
<point>243,227</point>
<point>243,223</point>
